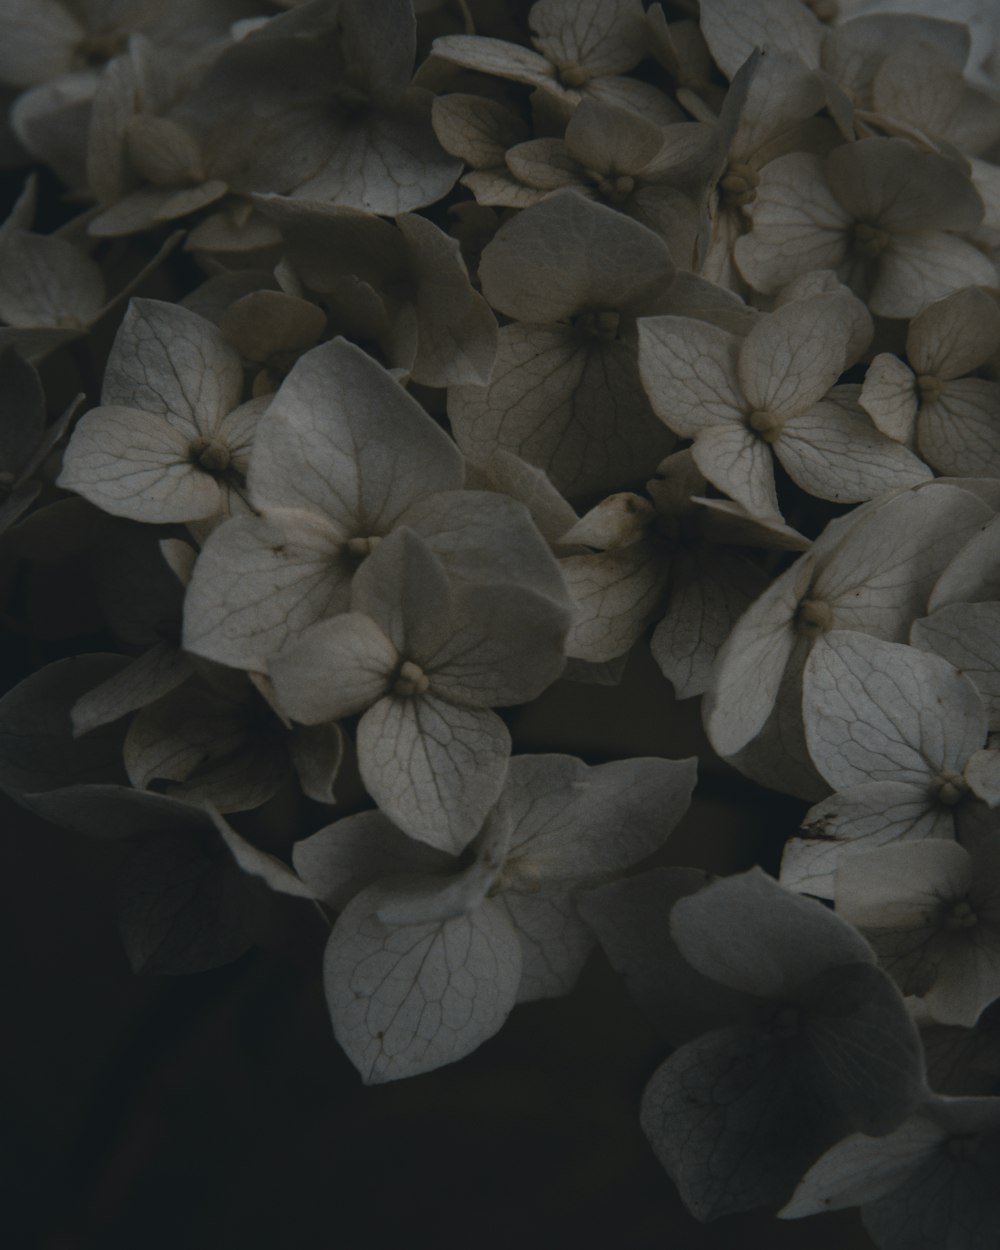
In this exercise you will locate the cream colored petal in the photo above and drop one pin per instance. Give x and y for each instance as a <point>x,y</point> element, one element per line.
<point>890,397</point>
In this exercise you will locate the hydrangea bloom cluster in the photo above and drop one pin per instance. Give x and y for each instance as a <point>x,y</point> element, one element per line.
<point>393,368</point>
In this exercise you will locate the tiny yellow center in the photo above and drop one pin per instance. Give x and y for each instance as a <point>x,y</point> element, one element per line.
<point>361,547</point>
<point>572,75</point>
<point>767,424</point>
<point>738,185</point>
<point>410,680</point>
<point>930,387</point>
<point>209,455</point>
<point>813,618</point>
<point>869,241</point>
<point>949,789</point>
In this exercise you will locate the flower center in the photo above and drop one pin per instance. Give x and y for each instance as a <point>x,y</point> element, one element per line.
<point>767,424</point>
<point>572,75</point>
<point>930,387</point>
<point>361,547</point>
<point>738,185</point>
<point>869,241</point>
<point>813,617</point>
<point>410,680</point>
<point>961,916</point>
<point>949,789</point>
<point>209,455</point>
<point>616,188</point>
<point>598,325</point>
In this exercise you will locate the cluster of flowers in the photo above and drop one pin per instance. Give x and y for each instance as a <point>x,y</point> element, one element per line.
<point>565,340</point>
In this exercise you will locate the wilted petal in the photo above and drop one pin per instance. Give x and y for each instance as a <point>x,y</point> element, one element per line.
<point>857,820</point>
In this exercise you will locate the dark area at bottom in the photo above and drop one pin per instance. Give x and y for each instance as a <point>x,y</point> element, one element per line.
<point>216,1112</point>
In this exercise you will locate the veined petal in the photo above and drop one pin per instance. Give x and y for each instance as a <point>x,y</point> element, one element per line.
<point>792,357</point>
<point>834,452</point>
<point>925,265</point>
<point>434,769</point>
<point>689,370</point>
<point>739,463</point>
<point>169,361</point>
<point>889,395</point>
<point>798,224</point>
<point>333,669</point>
<point>138,465</point>
<point>884,711</point>
<point>959,432</point>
